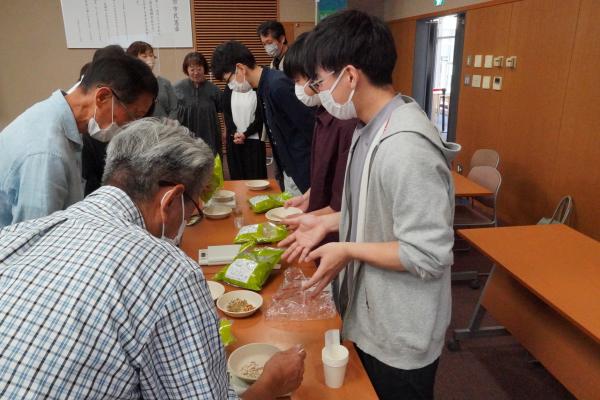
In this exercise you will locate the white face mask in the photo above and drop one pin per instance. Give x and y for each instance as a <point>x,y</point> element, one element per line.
<point>236,86</point>
<point>272,49</point>
<point>104,135</point>
<point>177,239</point>
<point>310,101</point>
<point>339,111</point>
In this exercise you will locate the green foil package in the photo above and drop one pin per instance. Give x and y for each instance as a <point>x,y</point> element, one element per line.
<point>216,180</point>
<point>265,202</point>
<point>225,332</point>
<point>251,267</point>
<point>261,233</point>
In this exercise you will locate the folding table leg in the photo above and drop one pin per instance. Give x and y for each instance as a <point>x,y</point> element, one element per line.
<point>474,330</point>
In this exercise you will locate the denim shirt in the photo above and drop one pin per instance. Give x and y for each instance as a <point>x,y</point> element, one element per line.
<point>40,162</point>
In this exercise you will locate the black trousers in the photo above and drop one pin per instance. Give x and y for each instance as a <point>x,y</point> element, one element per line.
<point>246,161</point>
<point>401,384</point>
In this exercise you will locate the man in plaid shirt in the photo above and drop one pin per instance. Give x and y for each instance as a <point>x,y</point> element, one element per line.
<point>98,302</point>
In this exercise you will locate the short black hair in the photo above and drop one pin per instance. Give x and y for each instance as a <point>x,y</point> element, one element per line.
<point>293,63</point>
<point>227,55</point>
<point>355,38</point>
<point>128,77</point>
<point>113,50</point>
<point>138,47</point>
<point>197,58</point>
<point>83,70</point>
<point>273,28</point>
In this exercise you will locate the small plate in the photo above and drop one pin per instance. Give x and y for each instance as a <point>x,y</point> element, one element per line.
<point>216,212</point>
<point>223,196</point>
<point>257,184</point>
<point>252,298</point>
<point>260,353</point>
<point>276,215</point>
<point>216,289</point>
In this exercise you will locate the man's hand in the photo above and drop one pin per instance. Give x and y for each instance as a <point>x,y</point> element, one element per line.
<point>281,374</point>
<point>239,138</point>
<point>334,257</point>
<point>309,232</point>
<point>300,202</point>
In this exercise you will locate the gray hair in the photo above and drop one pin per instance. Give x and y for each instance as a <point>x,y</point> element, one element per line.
<point>148,151</point>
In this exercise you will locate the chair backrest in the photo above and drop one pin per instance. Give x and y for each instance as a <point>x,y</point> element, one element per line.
<point>485,157</point>
<point>489,178</point>
<point>561,212</point>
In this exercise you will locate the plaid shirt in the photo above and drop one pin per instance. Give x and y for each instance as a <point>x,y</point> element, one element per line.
<point>94,306</point>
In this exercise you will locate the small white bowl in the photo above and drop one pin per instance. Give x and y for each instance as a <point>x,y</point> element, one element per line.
<point>216,289</point>
<point>260,353</point>
<point>276,215</point>
<point>223,196</point>
<point>257,184</point>
<point>216,211</point>
<point>251,297</point>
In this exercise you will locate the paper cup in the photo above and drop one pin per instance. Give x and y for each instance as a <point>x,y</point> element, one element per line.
<point>335,360</point>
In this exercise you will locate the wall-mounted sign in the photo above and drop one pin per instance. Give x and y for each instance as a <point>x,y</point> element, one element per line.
<point>98,23</point>
<point>327,7</point>
<point>439,2</point>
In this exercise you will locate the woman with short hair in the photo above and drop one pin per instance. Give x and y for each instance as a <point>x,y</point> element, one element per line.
<point>199,101</point>
<point>166,102</point>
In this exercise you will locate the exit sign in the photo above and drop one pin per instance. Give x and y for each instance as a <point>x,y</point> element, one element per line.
<point>439,2</point>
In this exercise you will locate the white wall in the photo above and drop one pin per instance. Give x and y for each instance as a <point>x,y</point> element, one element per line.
<point>397,9</point>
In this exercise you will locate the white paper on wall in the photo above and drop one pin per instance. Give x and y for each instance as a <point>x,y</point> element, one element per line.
<point>98,23</point>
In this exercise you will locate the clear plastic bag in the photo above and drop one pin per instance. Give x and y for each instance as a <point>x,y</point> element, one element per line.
<point>291,303</point>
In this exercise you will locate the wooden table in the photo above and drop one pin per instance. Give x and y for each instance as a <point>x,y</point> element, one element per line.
<point>464,187</point>
<point>282,334</point>
<point>545,290</point>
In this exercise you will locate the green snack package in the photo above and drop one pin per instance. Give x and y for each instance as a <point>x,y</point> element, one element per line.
<point>225,332</point>
<point>261,233</point>
<point>265,202</point>
<point>216,180</point>
<point>250,268</point>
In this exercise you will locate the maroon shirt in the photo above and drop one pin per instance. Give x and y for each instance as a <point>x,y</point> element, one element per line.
<point>331,142</point>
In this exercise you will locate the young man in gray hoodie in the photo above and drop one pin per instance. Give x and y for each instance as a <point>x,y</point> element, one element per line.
<point>390,272</point>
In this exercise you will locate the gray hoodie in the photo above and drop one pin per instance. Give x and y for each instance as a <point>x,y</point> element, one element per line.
<point>401,318</point>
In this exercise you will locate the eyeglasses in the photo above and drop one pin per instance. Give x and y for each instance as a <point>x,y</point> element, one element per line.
<point>194,218</point>
<point>315,85</point>
<point>130,115</point>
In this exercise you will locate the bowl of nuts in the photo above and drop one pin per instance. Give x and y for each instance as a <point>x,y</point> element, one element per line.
<point>239,303</point>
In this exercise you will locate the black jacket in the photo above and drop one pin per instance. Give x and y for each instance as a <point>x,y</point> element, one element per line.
<point>290,123</point>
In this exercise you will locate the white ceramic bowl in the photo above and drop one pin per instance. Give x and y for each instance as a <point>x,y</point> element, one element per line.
<point>257,184</point>
<point>251,297</point>
<point>276,215</point>
<point>260,353</point>
<point>216,211</point>
<point>216,289</point>
<point>223,196</point>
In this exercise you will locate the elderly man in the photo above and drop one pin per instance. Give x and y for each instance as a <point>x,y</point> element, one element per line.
<point>40,167</point>
<point>98,302</point>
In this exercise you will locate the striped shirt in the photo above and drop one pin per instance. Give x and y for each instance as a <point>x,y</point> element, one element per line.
<point>93,306</point>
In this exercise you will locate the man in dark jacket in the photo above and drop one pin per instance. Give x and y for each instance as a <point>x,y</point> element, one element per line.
<point>290,123</point>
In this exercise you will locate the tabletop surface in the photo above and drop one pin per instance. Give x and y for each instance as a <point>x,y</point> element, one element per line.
<point>283,334</point>
<point>464,187</point>
<point>557,263</point>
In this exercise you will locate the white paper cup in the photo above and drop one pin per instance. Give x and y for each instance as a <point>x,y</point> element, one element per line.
<point>335,360</point>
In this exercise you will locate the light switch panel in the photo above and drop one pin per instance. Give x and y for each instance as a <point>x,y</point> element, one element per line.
<point>498,61</point>
<point>511,62</point>
<point>497,85</point>
<point>467,80</point>
<point>476,81</point>
<point>477,62</point>
<point>469,60</point>
<point>488,61</point>
<point>486,82</point>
